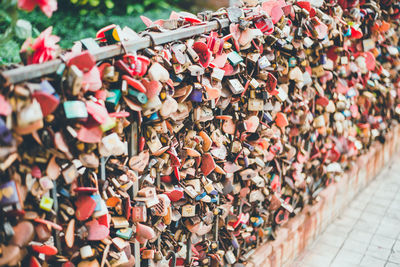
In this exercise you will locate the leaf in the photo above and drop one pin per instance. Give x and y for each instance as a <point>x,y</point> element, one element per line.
<point>94,3</point>
<point>147,3</point>
<point>136,9</point>
<point>23,29</point>
<point>36,32</point>
<point>162,4</point>
<point>83,11</point>
<point>109,4</point>
<point>9,52</point>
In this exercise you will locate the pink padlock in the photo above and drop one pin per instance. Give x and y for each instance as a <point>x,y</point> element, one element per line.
<point>139,213</point>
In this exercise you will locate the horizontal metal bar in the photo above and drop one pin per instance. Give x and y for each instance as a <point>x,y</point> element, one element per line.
<point>33,71</point>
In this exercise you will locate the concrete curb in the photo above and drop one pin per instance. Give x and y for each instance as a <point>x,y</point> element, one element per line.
<point>300,231</point>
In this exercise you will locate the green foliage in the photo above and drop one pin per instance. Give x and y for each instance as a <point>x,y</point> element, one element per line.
<point>9,52</point>
<point>74,20</point>
<point>8,19</point>
<point>69,26</point>
<point>123,7</point>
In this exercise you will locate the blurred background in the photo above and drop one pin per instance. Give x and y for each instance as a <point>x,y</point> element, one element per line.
<point>78,19</point>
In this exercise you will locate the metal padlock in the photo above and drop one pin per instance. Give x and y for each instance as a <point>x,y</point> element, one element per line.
<point>256,195</point>
<point>86,252</point>
<point>255,104</point>
<point>263,62</point>
<point>318,71</point>
<point>254,83</point>
<point>119,222</point>
<point>152,105</point>
<point>29,114</point>
<point>153,142</point>
<point>161,208</point>
<point>70,174</point>
<point>190,191</point>
<point>230,257</point>
<point>209,188</point>
<point>253,57</point>
<point>110,75</point>
<point>190,51</point>
<point>188,210</point>
<point>282,95</point>
<point>235,86</point>
<point>74,79</point>
<point>217,74</point>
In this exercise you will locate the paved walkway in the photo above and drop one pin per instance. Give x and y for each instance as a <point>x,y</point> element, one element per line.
<point>368,232</point>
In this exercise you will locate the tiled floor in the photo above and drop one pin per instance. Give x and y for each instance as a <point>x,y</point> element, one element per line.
<point>368,231</point>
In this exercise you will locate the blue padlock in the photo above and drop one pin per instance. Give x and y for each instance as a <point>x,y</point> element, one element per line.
<point>5,134</point>
<point>196,95</point>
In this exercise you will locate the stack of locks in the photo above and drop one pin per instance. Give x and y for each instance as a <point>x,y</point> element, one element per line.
<point>191,153</point>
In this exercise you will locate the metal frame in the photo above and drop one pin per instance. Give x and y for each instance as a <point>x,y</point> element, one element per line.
<point>33,71</point>
<point>133,150</point>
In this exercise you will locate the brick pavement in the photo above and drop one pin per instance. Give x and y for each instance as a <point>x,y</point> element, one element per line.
<point>368,231</point>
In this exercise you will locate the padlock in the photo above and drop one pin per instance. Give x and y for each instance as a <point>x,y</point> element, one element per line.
<point>6,138</point>
<point>148,254</point>
<point>119,243</point>
<point>75,79</point>
<point>190,51</point>
<point>30,114</point>
<point>234,58</point>
<point>112,145</point>
<point>125,233</point>
<point>161,208</point>
<point>254,83</point>
<point>70,174</point>
<point>46,203</point>
<point>217,74</point>
<point>263,62</point>
<point>113,98</point>
<point>235,86</point>
<point>282,95</point>
<point>190,190</point>
<point>119,222</point>
<point>188,211</point>
<point>255,104</point>
<point>153,142</point>
<point>86,252</point>
<point>75,109</point>
<point>230,257</point>
<point>10,194</point>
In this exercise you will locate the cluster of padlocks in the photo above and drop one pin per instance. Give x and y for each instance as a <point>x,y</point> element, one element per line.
<point>192,152</point>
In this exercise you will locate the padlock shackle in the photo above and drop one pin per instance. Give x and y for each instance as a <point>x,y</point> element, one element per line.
<point>171,255</point>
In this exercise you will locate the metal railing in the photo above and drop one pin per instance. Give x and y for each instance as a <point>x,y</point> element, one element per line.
<point>29,72</point>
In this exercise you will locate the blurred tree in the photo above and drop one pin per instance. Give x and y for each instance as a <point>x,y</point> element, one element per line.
<point>74,19</point>
<point>121,7</point>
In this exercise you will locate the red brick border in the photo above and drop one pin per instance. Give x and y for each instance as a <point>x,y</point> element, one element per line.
<point>301,230</point>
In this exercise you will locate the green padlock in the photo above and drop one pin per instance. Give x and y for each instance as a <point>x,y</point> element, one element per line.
<point>113,98</point>
<point>108,124</point>
<point>46,203</point>
<point>75,109</point>
<point>125,233</point>
<point>142,98</point>
<point>234,58</point>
